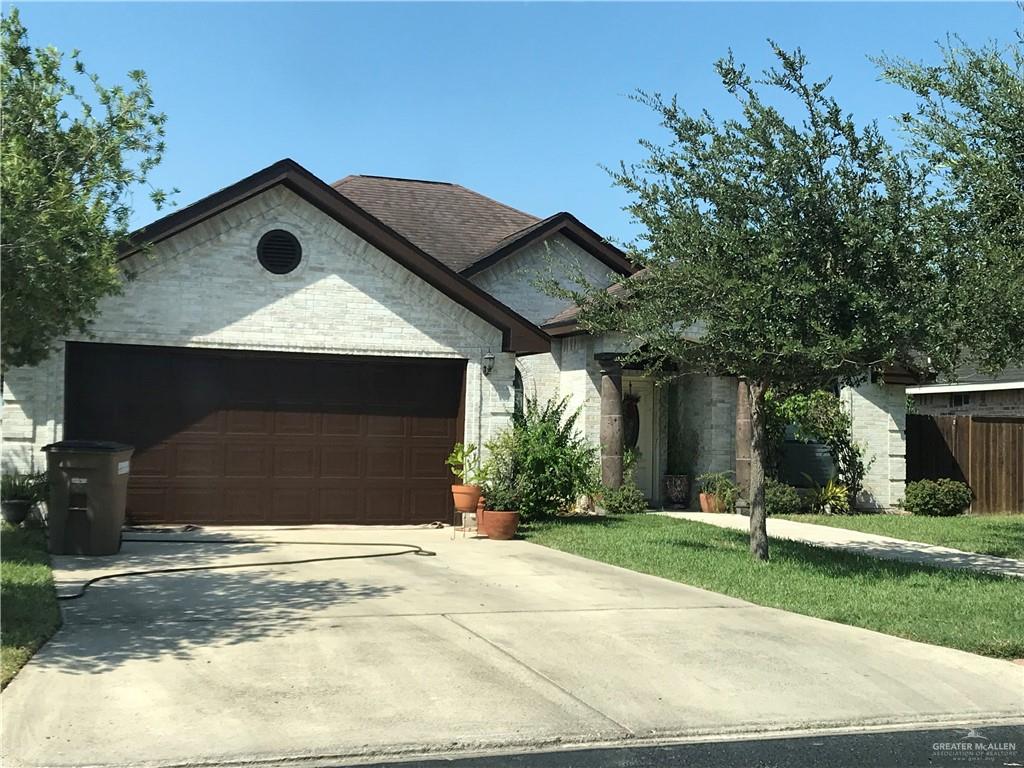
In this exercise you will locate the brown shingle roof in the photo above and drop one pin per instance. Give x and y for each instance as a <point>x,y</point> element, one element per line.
<point>455,225</point>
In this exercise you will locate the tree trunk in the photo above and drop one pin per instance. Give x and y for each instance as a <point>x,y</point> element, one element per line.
<point>758,457</point>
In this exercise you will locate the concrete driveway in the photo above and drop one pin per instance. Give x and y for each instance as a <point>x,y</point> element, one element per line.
<point>487,645</point>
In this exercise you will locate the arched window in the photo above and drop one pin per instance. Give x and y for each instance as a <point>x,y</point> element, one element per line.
<point>518,405</point>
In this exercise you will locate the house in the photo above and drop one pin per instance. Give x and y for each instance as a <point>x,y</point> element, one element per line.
<point>971,393</point>
<point>291,351</point>
<point>970,428</point>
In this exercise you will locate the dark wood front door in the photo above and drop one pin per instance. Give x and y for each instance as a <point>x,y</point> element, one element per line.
<point>271,438</point>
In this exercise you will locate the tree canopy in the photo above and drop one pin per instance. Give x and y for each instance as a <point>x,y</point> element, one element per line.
<point>73,150</point>
<point>783,245</point>
<point>967,134</point>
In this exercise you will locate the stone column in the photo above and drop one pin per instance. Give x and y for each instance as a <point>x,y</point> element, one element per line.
<point>611,421</point>
<point>743,435</point>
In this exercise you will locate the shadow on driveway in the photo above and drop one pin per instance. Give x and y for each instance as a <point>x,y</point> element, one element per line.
<point>170,615</point>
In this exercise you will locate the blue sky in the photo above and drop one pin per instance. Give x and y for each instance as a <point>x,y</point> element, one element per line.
<point>519,101</point>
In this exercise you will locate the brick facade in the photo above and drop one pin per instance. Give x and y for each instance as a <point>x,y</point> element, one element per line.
<point>994,402</point>
<point>205,288</point>
<point>879,422</point>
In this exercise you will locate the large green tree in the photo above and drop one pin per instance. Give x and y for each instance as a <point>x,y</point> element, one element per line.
<point>69,161</point>
<point>967,132</point>
<point>781,244</point>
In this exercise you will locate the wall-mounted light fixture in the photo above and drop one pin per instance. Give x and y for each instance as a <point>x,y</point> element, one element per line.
<point>488,364</point>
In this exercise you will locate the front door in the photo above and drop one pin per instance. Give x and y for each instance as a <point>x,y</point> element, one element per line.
<point>638,405</point>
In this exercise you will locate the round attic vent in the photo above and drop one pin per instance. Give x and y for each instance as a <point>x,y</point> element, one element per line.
<point>279,251</point>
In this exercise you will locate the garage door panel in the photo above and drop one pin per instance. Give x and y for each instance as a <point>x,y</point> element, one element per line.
<point>427,463</point>
<point>147,504</point>
<point>385,462</point>
<point>198,460</point>
<point>294,505</point>
<point>431,505</point>
<point>245,505</point>
<point>341,424</point>
<point>341,505</point>
<point>295,423</point>
<point>205,423</point>
<point>385,425</point>
<point>340,462</point>
<point>196,504</point>
<point>226,437</point>
<point>252,461</point>
<point>430,426</point>
<point>251,421</point>
<point>157,462</point>
<point>385,505</point>
<point>291,461</point>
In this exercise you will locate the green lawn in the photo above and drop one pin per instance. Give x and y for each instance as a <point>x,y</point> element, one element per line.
<point>28,601</point>
<point>1001,535</point>
<point>959,609</point>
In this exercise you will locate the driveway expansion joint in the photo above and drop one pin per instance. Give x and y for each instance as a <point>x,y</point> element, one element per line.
<point>626,729</point>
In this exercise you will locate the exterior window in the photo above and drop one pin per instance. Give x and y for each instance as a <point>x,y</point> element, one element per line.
<point>517,393</point>
<point>958,401</point>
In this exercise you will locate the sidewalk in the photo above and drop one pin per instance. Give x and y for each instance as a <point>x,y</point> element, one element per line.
<point>865,543</point>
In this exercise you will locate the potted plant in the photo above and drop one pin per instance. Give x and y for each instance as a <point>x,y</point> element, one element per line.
<point>502,489</point>
<point>677,490</point>
<point>464,462</point>
<point>718,493</point>
<point>500,501</point>
<point>18,494</point>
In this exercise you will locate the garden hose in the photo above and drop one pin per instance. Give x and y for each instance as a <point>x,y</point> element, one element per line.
<point>409,549</point>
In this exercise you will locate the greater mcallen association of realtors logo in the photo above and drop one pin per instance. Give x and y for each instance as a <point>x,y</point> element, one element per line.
<point>974,746</point>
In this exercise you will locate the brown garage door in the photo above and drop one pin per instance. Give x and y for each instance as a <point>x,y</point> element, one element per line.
<point>271,438</point>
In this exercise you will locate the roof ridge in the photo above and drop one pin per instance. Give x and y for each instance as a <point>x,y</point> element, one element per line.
<point>393,178</point>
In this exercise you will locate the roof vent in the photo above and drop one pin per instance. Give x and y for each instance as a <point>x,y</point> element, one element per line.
<point>279,251</point>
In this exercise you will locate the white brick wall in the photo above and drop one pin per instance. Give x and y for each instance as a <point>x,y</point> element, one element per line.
<point>704,424</point>
<point>205,288</point>
<point>879,416</point>
<point>510,281</point>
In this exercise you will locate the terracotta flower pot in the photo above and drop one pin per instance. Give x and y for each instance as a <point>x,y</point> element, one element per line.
<point>711,503</point>
<point>466,497</point>
<point>501,525</point>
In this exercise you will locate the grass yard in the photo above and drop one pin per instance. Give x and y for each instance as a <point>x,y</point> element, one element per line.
<point>958,609</point>
<point>28,600</point>
<point>1000,535</point>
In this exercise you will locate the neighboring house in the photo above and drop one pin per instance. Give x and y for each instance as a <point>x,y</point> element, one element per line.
<point>291,351</point>
<point>972,394</point>
<point>971,428</point>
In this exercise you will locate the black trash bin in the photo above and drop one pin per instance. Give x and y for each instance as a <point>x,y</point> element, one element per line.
<point>88,484</point>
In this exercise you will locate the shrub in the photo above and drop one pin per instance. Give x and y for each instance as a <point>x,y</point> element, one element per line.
<point>627,499</point>
<point>540,466</point>
<point>937,498</point>
<point>782,499</point>
<point>720,484</point>
<point>818,416</point>
<point>19,487</point>
<point>833,498</point>
<point>464,462</point>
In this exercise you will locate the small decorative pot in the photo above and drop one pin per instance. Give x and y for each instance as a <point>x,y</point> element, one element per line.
<point>15,511</point>
<point>677,490</point>
<point>711,503</point>
<point>502,526</point>
<point>466,498</point>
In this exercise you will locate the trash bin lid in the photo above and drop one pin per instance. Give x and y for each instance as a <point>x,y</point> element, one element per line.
<point>86,446</point>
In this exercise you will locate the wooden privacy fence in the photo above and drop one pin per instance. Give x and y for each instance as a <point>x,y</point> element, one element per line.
<point>985,452</point>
